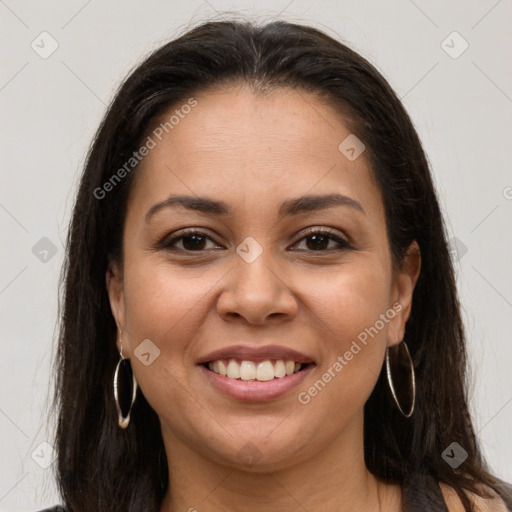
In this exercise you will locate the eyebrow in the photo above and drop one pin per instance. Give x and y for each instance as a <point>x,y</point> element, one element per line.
<point>296,206</point>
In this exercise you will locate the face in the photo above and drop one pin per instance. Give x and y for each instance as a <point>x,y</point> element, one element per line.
<point>260,269</point>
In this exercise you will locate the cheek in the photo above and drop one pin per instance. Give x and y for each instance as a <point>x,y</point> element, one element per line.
<point>339,306</point>
<point>349,299</point>
<point>167,307</point>
<point>351,315</point>
<point>164,304</point>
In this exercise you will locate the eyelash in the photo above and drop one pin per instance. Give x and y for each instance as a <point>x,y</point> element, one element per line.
<point>167,244</point>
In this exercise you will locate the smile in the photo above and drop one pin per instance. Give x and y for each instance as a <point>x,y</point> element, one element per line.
<point>261,371</point>
<point>242,380</point>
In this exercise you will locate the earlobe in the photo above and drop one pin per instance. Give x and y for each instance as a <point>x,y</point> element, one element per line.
<point>404,282</point>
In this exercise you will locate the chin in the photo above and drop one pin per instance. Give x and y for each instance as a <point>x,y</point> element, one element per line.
<point>262,451</point>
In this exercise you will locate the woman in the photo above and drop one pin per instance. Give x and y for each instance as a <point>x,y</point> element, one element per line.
<point>259,304</point>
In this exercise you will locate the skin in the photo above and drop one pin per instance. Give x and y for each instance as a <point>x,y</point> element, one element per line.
<point>254,152</point>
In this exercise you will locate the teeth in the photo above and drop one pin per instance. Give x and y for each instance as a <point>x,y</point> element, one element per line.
<point>223,369</point>
<point>233,371</point>
<point>265,371</point>
<point>279,368</point>
<point>249,370</point>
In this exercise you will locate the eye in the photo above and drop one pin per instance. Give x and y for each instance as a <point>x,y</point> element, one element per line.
<point>192,241</point>
<point>318,240</point>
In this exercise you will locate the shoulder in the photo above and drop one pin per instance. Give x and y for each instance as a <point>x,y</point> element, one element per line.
<point>492,504</point>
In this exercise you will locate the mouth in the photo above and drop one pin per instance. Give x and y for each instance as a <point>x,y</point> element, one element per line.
<point>251,381</point>
<point>255,373</point>
<point>261,371</point>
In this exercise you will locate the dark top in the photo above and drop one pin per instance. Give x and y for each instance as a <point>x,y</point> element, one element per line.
<point>420,494</point>
<point>417,494</point>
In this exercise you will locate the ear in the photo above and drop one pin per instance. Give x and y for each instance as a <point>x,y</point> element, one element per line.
<point>402,288</point>
<point>114,282</point>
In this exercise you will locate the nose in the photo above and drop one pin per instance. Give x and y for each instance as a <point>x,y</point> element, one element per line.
<point>256,292</point>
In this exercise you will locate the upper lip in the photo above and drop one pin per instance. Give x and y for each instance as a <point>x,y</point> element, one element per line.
<point>248,353</point>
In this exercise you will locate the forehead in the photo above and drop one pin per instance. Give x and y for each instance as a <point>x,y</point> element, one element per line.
<point>236,123</point>
<point>237,145</point>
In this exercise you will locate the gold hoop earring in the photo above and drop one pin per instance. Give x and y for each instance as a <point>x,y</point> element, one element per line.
<point>403,370</point>
<point>125,389</point>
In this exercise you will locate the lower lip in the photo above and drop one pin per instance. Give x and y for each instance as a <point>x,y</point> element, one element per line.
<point>254,390</point>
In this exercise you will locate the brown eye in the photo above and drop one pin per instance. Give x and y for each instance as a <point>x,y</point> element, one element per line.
<point>319,241</point>
<point>192,241</point>
<point>197,241</point>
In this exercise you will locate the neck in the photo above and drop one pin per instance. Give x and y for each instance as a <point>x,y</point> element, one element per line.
<point>333,480</point>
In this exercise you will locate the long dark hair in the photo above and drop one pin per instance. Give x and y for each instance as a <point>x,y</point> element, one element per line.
<point>103,468</point>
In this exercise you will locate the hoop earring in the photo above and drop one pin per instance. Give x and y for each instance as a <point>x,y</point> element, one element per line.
<point>125,389</point>
<point>403,370</point>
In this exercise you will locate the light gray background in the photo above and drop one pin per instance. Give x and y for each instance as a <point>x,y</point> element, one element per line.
<point>51,108</point>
